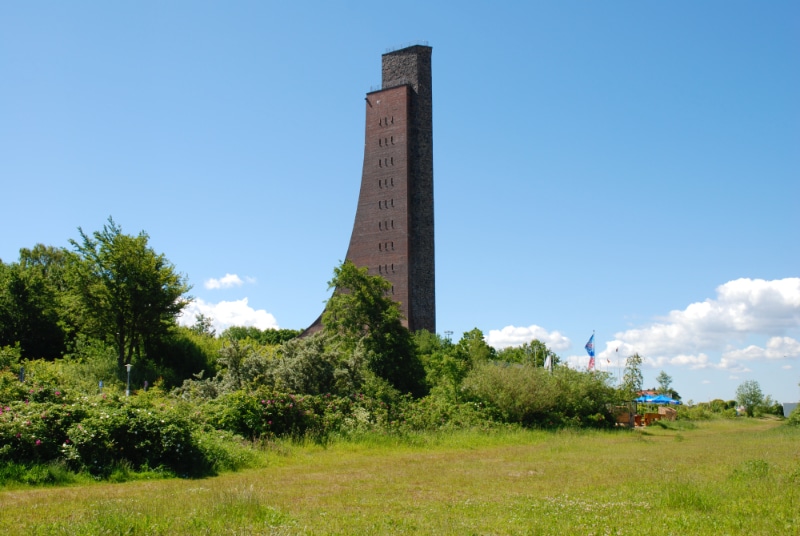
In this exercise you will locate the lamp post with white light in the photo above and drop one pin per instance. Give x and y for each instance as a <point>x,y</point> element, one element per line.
<point>128,390</point>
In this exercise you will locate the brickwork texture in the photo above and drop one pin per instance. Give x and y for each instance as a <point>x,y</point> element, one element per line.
<point>393,233</point>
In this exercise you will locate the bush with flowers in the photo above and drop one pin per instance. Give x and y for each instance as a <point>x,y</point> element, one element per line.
<point>35,431</point>
<point>151,437</point>
<point>264,412</point>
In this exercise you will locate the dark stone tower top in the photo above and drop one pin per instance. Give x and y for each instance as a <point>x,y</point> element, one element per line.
<point>411,65</point>
<point>393,228</point>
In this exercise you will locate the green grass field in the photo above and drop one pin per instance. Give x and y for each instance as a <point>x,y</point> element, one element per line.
<point>720,477</point>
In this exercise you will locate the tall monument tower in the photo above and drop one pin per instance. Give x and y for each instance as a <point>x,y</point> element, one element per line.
<point>393,229</point>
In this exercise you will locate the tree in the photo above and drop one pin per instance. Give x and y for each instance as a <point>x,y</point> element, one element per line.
<point>445,364</point>
<point>632,378</point>
<point>203,325</point>
<point>360,313</point>
<point>473,346</point>
<point>749,395</point>
<point>664,381</point>
<point>534,353</point>
<point>31,297</point>
<point>267,336</point>
<point>124,291</point>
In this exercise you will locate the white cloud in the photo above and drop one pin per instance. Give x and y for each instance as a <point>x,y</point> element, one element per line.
<point>743,308</point>
<point>227,281</point>
<point>514,336</point>
<point>776,348</point>
<point>225,314</point>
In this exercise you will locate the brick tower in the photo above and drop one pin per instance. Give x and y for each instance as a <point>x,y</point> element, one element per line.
<point>393,228</point>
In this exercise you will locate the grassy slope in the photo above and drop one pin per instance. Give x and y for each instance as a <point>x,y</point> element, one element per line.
<point>723,477</point>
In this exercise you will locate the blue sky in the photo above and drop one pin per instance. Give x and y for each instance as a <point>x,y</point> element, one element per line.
<point>625,168</point>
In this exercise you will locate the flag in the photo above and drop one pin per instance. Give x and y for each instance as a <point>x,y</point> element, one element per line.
<point>547,362</point>
<point>590,350</point>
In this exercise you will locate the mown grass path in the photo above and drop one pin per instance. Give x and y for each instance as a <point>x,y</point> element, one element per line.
<point>720,477</point>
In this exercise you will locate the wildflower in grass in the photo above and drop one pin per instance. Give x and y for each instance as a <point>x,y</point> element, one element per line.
<point>38,442</point>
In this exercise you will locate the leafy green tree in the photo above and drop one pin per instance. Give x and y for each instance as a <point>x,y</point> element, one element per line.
<point>534,353</point>
<point>632,378</point>
<point>749,395</point>
<point>124,291</point>
<point>203,325</point>
<point>445,366</point>
<point>180,354</point>
<point>664,381</point>
<point>262,336</point>
<point>360,313</point>
<point>31,298</point>
<point>473,346</point>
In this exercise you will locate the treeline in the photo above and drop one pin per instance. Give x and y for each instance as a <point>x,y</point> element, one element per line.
<point>105,311</point>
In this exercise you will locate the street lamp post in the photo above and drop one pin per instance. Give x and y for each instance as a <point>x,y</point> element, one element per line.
<point>128,390</point>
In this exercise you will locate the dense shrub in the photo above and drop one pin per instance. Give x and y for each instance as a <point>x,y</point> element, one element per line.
<point>533,397</point>
<point>313,365</point>
<point>436,413</point>
<point>703,411</point>
<point>10,356</point>
<point>145,437</point>
<point>36,431</point>
<point>11,389</point>
<point>98,433</point>
<point>264,413</point>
